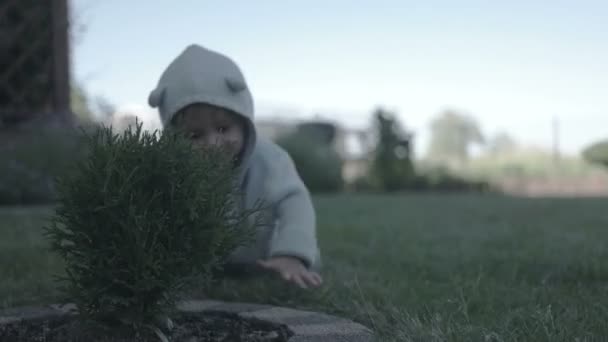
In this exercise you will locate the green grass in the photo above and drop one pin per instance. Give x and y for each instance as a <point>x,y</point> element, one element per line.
<point>413,267</point>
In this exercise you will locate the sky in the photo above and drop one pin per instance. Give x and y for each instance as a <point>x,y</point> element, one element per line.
<point>513,65</point>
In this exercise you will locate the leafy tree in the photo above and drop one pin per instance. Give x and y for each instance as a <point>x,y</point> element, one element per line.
<point>597,153</point>
<point>79,101</point>
<point>452,135</point>
<point>392,167</point>
<point>88,109</point>
<point>501,143</point>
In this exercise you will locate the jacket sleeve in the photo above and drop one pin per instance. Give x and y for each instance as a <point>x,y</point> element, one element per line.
<point>295,233</point>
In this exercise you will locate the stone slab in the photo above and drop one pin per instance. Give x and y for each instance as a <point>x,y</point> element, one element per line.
<point>307,326</point>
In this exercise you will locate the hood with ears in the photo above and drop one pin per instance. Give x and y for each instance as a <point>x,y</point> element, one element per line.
<point>200,75</point>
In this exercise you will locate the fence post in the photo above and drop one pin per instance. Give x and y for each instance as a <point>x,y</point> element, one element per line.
<point>61,61</point>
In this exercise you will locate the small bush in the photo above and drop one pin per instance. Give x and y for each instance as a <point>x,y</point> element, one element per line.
<point>319,165</point>
<point>597,153</point>
<point>441,180</point>
<point>365,184</point>
<point>31,158</point>
<point>397,175</point>
<point>431,180</point>
<point>139,218</point>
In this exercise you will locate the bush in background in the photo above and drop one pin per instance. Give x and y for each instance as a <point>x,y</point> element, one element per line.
<point>32,157</point>
<point>436,179</point>
<point>597,153</point>
<point>318,164</point>
<point>441,179</point>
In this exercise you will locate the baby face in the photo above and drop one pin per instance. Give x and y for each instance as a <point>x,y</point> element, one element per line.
<point>208,125</point>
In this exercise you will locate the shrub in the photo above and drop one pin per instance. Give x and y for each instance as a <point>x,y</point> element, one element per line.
<point>31,158</point>
<point>365,184</point>
<point>139,218</point>
<point>319,165</point>
<point>440,179</point>
<point>430,179</point>
<point>597,153</point>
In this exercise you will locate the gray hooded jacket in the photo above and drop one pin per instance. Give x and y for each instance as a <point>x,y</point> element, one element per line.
<point>199,75</point>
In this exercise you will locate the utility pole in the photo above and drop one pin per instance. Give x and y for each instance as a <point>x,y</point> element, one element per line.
<point>556,152</point>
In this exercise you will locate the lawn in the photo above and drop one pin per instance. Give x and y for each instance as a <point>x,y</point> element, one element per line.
<point>413,267</point>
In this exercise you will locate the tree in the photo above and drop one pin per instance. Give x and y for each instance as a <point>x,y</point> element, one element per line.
<point>392,166</point>
<point>597,153</point>
<point>85,108</point>
<point>105,109</point>
<point>501,143</point>
<point>88,110</point>
<point>80,103</point>
<point>452,135</point>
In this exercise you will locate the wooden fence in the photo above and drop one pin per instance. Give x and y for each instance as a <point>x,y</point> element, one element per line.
<point>34,60</point>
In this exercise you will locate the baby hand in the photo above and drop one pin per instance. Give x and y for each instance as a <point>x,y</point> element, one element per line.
<point>292,270</point>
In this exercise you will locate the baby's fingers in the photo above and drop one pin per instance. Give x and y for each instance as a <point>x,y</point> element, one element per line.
<point>316,278</point>
<point>312,279</point>
<point>299,279</point>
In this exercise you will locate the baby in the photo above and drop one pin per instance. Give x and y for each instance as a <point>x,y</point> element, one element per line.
<point>205,94</point>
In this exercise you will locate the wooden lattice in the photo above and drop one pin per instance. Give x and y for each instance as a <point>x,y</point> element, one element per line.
<point>33,59</point>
